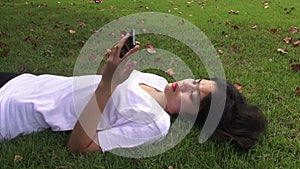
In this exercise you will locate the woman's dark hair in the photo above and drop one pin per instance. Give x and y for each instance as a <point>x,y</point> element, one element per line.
<point>241,122</point>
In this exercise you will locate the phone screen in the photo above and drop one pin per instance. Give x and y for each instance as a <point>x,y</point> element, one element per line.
<point>129,44</point>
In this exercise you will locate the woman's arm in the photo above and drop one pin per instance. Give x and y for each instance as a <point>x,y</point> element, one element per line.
<point>116,70</point>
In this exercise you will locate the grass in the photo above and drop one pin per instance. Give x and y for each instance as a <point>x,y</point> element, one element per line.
<point>37,40</point>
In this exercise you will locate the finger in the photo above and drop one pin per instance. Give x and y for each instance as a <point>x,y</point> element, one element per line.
<point>129,67</point>
<point>121,44</point>
<point>128,55</point>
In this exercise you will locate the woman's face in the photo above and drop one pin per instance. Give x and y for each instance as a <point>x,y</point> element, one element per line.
<point>185,95</point>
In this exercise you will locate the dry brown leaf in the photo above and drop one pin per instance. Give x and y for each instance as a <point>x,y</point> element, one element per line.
<point>255,27</point>
<point>265,2</point>
<point>238,87</point>
<point>4,52</point>
<point>71,31</point>
<point>156,60</point>
<point>235,27</point>
<point>295,67</point>
<point>18,158</point>
<point>98,1</point>
<point>220,52</point>
<point>181,22</point>
<point>57,26</point>
<point>273,30</point>
<point>294,29</point>
<point>294,60</point>
<point>287,40</point>
<point>92,57</point>
<point>170,72</point>
<point>233,48</point>
<point>297,92</point>
<point>296,43</point>
<point>283,51</point>
<point>28,38</point>
<point>150,49</point>
<point>233,12</point>
<point>2,44</point>
<point>81,43</point>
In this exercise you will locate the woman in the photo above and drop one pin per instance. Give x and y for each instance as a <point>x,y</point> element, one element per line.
<point>119,109</point>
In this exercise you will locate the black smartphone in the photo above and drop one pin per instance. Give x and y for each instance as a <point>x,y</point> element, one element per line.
<point>129,44</point>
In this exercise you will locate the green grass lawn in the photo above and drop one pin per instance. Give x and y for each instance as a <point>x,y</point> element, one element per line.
<point>35,37</point>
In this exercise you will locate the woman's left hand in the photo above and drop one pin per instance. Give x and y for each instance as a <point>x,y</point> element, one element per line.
<point>117,69</point>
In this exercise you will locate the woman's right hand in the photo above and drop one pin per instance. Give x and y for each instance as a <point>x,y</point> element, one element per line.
<point>117,69</point>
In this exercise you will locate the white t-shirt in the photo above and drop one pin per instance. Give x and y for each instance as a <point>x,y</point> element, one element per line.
<point>131,117</point>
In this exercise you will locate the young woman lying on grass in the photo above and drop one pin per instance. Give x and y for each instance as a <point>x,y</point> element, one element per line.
<point>120,108</point>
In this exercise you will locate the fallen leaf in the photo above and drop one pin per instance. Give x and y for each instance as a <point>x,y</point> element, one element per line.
<point>266,7</point>
<point>81,43</point>
<point>273,30</point>
<point>144,30</point>
<point>71,31</point>
<point>228,23</point>
<point>18,158</point>
<point>92,57</point>
<point>2,44</point>
<point>238,87</point>
<point>283,51</point>
<point>296,43</point>
<point>4,52</point>
<point>82,24</point>
<point>150,49</point>
<point>181,22</point>
<point>72,4</point>
<point>98,1</point>
<point>57,26</point>
<point>28,38</point>
<point>233,48</point>
<point>254,27</point>
<point>220,52</point>
<point>233,12</point>
<point>289,11</point>
<point>295,67</point>
<point>287,40</point>
<point>170,167</point>
<point>294,29</point>
<point>225,34</point>
<point>179,13</point>
<point>266,2</point>
<point>235,27</point>
<point>294,60</point>
<point>170,72</point>
<point>156,60</point>
<point>297,92</point>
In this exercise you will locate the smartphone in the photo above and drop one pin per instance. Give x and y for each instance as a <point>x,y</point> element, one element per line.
<point>129,44</point>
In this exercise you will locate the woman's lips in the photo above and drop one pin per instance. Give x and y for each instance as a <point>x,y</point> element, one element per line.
<point>174,85</point>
